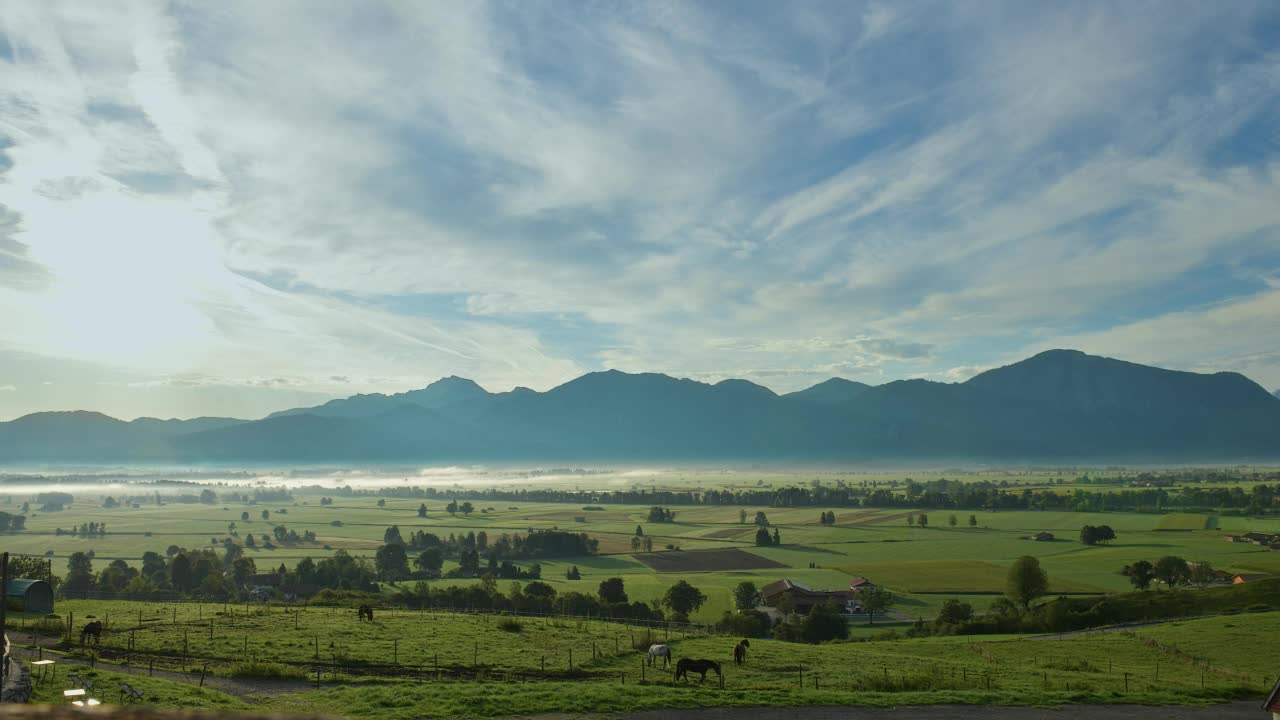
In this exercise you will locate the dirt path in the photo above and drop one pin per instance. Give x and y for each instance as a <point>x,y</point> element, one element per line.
<point>243,688</point>
<point>1240,710</point>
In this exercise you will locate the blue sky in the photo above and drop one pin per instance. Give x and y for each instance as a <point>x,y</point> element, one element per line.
<point>231,208</point>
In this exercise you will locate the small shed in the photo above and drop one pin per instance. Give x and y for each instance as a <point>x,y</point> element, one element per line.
<point>32,596</point>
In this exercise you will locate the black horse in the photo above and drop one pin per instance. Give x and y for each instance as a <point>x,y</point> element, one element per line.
<point>93,630</point>
<point>740,652</point>
<point>365,612</point>
<point>686,666</point>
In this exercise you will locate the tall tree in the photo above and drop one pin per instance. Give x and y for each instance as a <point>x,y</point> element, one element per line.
<point>392,561</point>
<point>611,591</point>
<point>1026,581</point>
<point>1172,571</point>
<point>683,598</point>
<point>746,595</point>
<point>180,573</point>
<point>79,573</point>
<point>1140,574</point>
<point>875,599</point>
<point>429,560</point>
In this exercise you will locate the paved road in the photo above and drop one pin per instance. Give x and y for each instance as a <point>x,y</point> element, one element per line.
<point>1241,710</point>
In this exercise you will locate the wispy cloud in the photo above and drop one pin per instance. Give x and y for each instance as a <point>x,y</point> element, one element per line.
<point>387,193</point>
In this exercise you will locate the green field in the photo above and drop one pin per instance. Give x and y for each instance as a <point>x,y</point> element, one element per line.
<point>475,665</point>
<point>435,664</point>
<point>921,565</point>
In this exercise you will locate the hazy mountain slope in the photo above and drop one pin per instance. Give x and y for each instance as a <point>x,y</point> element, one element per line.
<point>1070,379</point>
<point>173,426</point>
<point>442,393</point>
<point>1056,405</point>
<point>78,436</point>
<point>836,391</point>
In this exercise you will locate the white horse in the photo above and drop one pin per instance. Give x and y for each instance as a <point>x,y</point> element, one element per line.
<point>660,651</point>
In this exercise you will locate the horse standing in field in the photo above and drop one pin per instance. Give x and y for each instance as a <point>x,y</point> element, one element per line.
<point>92,630</point>
<point>686,666</point>
<point>364,612</point>
<point>740,652</point>
<point>659,651</point>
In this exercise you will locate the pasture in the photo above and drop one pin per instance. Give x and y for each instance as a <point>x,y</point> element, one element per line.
<point>386,669</point>
<point>716,551</point>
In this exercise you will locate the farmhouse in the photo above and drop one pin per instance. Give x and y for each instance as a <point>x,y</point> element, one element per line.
<point>1041,537</point>
<point>1272,704</point>
<point>860,584</point>
<point>802,598</point>
<point>1246,577</point>
<point>1261,538</point>
<point>1235,539</point>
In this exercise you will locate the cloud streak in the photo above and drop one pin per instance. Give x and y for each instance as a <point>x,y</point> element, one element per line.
<point>389,193</point>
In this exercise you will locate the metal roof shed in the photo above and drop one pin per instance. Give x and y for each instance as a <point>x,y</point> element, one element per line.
<point>32,596</point>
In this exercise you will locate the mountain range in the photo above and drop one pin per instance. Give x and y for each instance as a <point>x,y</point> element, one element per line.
<point>1059,404</point>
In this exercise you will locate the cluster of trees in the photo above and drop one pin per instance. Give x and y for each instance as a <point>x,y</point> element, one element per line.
<point>921,519</point>
<point>610,599</point>
<point>53,501</point>
<point>1092,535</point>
<point>453,508</point>
<point>280,534</point>
<point>200,573</point>
<point>535,544</point>
<point>1171,570</point>
<point>426,552</point>
<point>828,517</point>
<point>85,530</point>
<point>933,494</point>
<point>659,514</point>
<point>640,541</point>
<point>764,539</point>
<point>12,523</point>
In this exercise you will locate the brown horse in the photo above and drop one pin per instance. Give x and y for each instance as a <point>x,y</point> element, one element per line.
<point>365,612</point>
<point>740,652</point>
<point>685,666</point>
<point>92,630</point>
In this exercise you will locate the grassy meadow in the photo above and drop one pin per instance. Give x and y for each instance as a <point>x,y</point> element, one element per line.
<point>386,669</point>
<point>922,566</point>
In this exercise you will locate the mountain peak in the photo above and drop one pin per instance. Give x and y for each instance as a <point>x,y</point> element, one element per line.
<point>833,391</point>
<point>745,387</point>
<point>454,381</point>
<point>1073,380</point>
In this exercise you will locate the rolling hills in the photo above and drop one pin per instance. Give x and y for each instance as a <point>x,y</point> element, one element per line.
<point>1060,404</point>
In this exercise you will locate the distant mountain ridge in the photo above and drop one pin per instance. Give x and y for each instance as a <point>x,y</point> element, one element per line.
<point>1059,404</point>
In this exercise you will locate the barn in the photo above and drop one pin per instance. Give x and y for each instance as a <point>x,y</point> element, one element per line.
<point>32,596</point>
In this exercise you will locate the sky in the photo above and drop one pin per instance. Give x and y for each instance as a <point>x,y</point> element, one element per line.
<point>237,207</point>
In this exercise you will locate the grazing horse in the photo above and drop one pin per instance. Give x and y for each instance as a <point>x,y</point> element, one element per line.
<point>740,652</point>
<point>685,666</point>
<point>660,651</point>
<point>94,630</point>
<point>365,612</point>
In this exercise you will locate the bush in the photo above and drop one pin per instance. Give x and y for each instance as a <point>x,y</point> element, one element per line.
<point>748,623</point>
<point>266,670</point>
<point>510,625</point>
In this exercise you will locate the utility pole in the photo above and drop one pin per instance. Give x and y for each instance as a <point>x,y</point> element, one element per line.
<point>4,606</point>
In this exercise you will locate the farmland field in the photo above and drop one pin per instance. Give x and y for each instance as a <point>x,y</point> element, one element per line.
<point>479,665</point>
<point>711,560</point>
<point>449,664</point>
<point>921,565</point>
